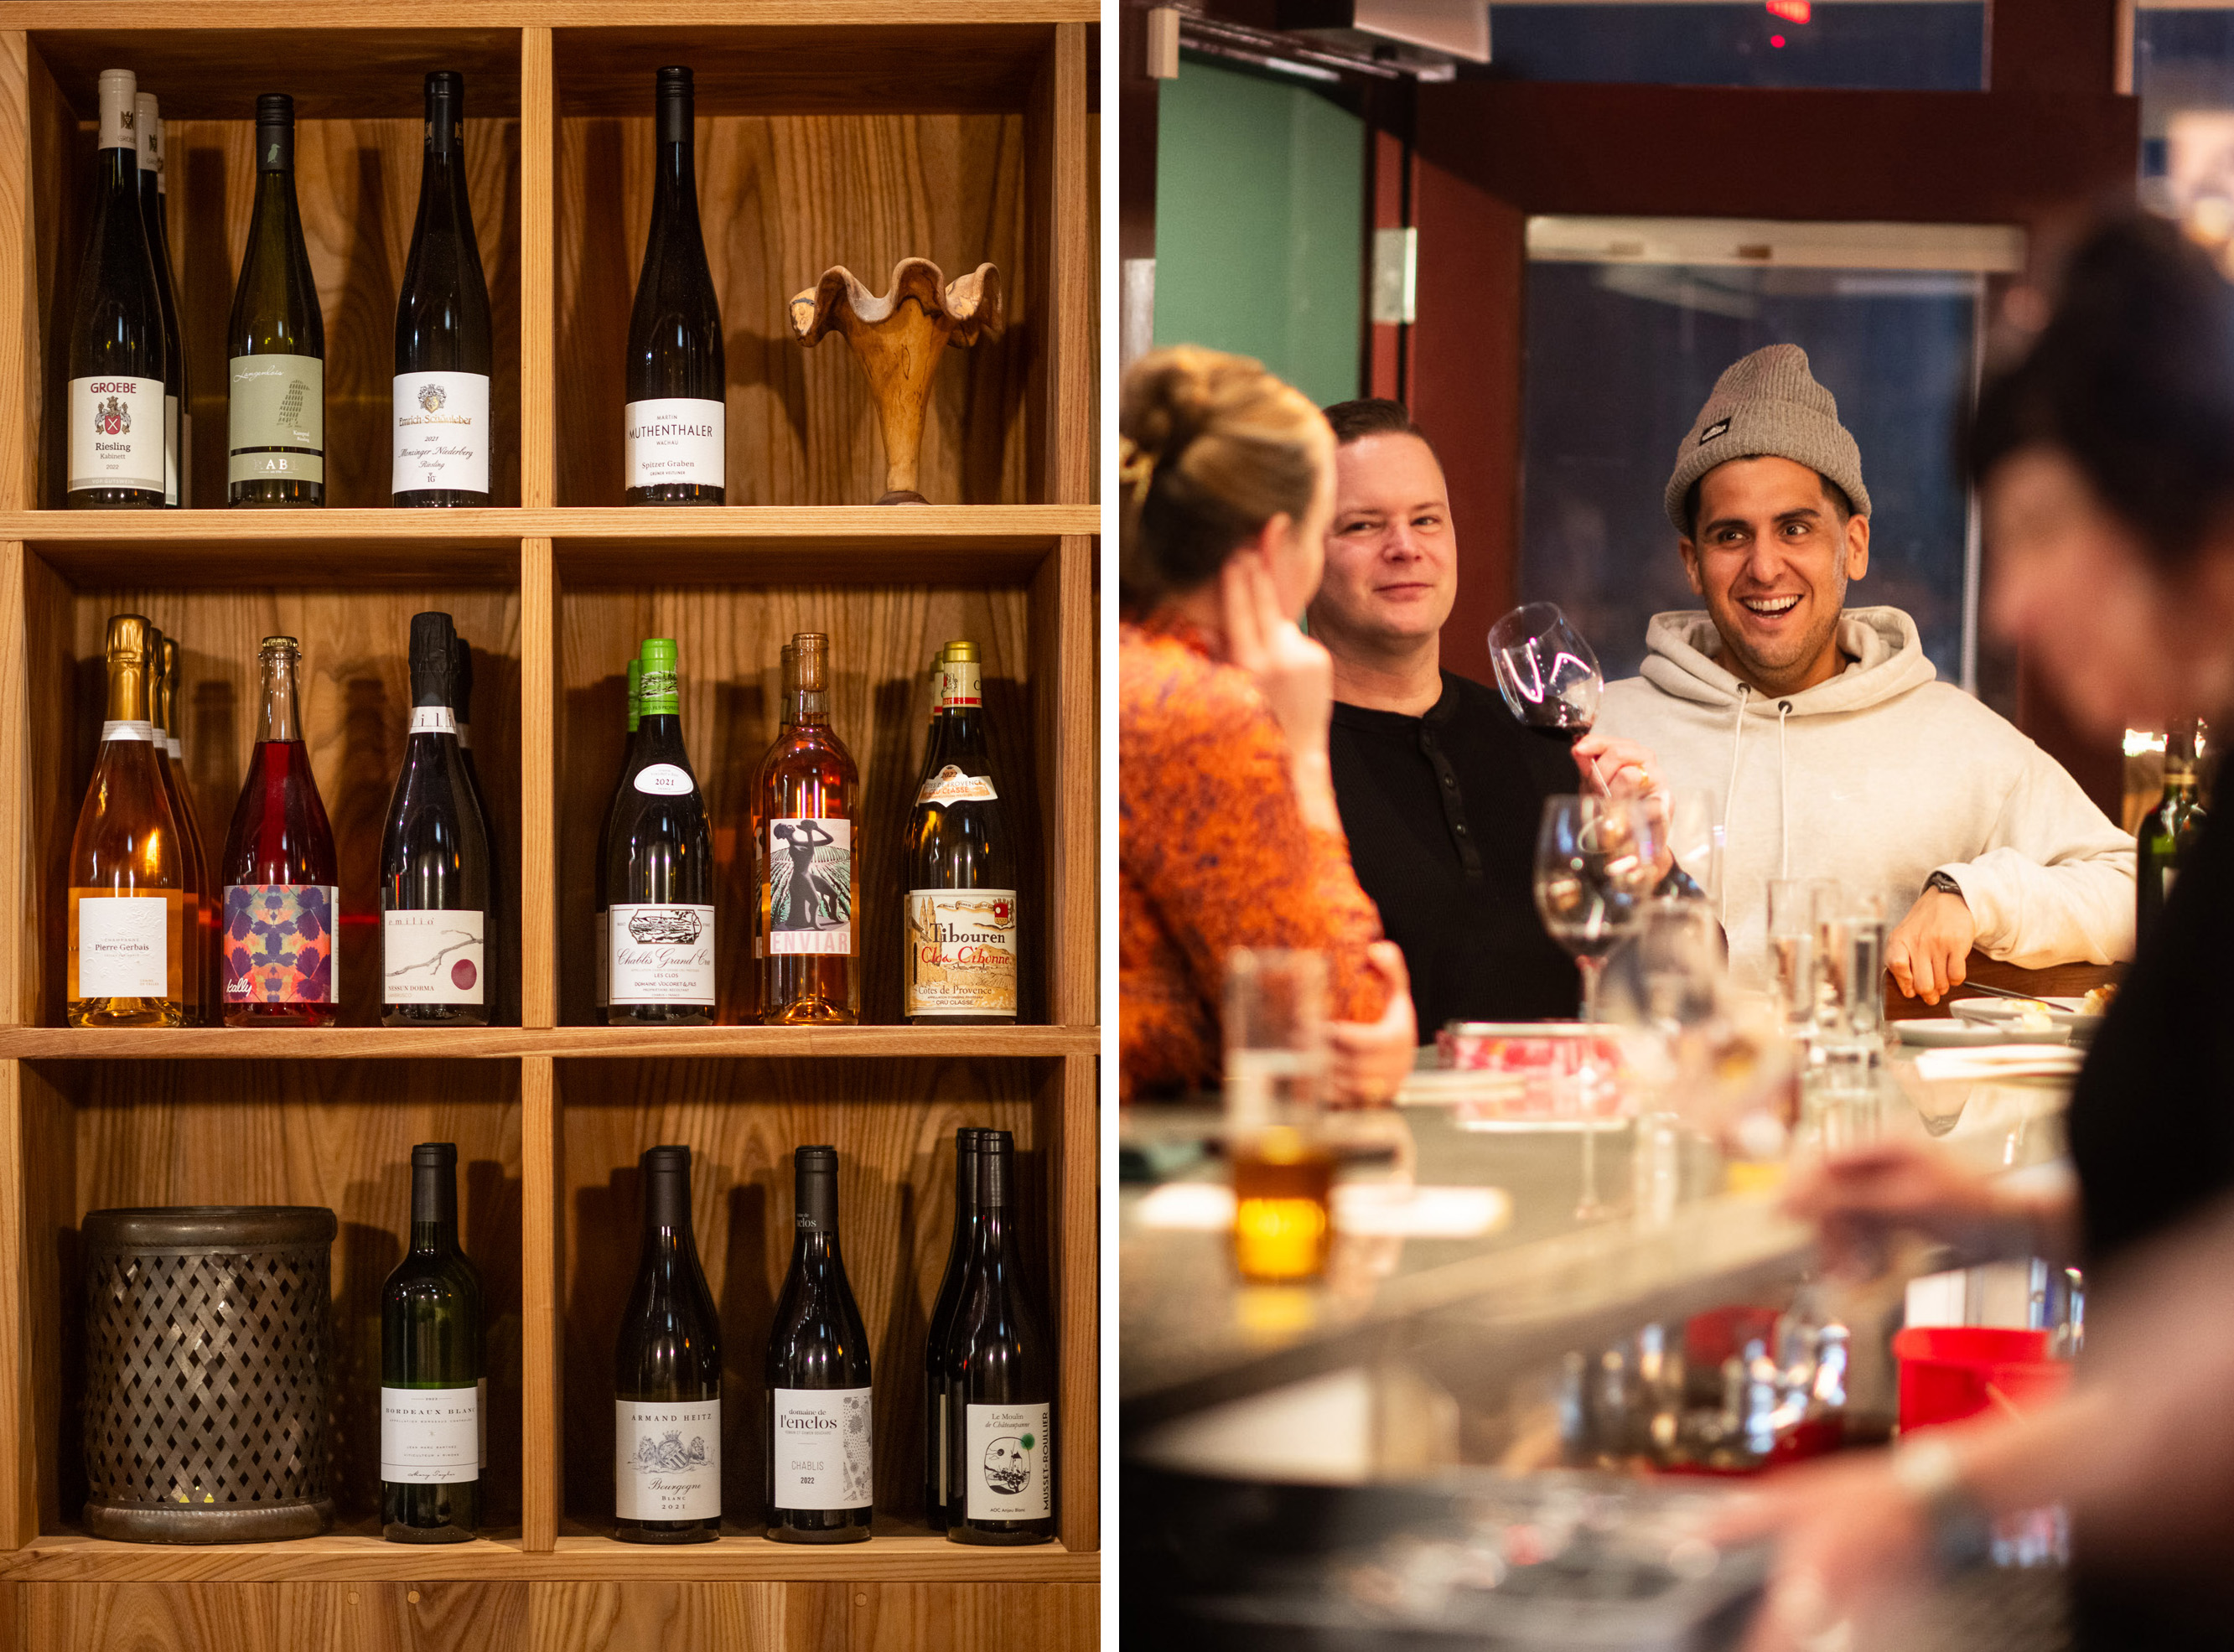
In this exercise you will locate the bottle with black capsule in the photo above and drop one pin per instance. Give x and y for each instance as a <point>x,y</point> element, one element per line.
<point>820,1484</point>
<point>675,425</point>
<point>999,1381</point>
<point>667,1376</point>
<point>433,1392</point>
<point>149,121</point>
<point>276,341</point>
<point>117,343</point>
<point>941,1333</point>
<point>439,394</point>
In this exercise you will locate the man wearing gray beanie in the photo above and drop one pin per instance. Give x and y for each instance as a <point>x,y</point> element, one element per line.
<point>1821,734</point>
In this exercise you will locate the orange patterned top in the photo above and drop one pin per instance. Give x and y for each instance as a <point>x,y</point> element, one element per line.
<point>1213,854</point>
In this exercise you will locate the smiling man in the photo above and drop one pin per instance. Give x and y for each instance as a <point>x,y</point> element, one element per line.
<point>1828,746</point>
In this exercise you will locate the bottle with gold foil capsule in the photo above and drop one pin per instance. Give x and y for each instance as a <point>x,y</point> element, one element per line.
<point>960,933</point>
<point>785,704</point>
<point>127,869</point>
<point>193,920</point>
<point>805,846</point>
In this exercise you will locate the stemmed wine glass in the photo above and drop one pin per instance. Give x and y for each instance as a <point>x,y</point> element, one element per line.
<point>1545,670</point>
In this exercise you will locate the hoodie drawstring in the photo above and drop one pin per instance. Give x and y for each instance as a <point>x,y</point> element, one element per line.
<point>1783,793</point>
<point>1729,795</point>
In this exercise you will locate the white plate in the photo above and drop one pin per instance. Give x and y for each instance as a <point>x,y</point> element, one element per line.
<point>1968,1035</point>
<point>2064,1012</point>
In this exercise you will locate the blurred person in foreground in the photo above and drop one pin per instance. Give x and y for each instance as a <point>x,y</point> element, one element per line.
<point>1821,731</point>
<point>1441,788</point>
<point>2104,460</point>
<point>1228,834</point>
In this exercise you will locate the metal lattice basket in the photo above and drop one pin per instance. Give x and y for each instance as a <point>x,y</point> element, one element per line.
<point>205,1362</point>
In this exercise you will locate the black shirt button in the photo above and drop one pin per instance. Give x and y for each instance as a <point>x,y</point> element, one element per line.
<point>1450,783</point>
<point>1460,827</point>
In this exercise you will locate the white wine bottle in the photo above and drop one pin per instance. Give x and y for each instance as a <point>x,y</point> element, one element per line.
<point>149,121</point>
<point>820,1487</point>
<point>276,413</point>
<point>443,359</point>
<point>667,1376</point>
<point>675,423</point>
<point>118,342</point>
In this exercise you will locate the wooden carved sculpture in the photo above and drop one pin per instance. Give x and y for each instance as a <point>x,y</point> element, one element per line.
<point>900,338</point>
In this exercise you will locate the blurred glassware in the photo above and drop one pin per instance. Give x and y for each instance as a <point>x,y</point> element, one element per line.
<point>1694,839</point>
<point>1275,1064</point>
<point>1546,671</point>
<point>1791,955</point>
<point>1596,861</point>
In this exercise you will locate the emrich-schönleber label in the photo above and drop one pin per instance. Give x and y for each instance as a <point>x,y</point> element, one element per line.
<point>961,952</point>
<point>667,1460</point>
<point>820,1448</point>
<point>1005,1456</point>
<point>442,433</point>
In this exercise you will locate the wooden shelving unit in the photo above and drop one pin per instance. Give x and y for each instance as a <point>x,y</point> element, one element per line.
<point>854,132</point>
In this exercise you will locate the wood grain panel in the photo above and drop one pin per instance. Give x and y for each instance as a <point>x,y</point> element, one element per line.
<point>348,16</point>
<point>48,1140</point>
<point>781,200</point>
<point>538,712</point>
<point>333,1134</point>
<point>623,1618</point>
<point>19,1311</point>
<point>730,641</point>
<point>19,329</point>
<point>1067,725</point>
<point>45,772</point>
<point>538,144</point>
<point>921,66</point>
<point>355,703</point>
<point>197,69</point>
<point>541,1209</point>
<point>975,1617</point>
<point>893,1126</point>
<point>499,1043</point>
<point>1078,1302</point>
<point>1064,272</point>
<point>15,794</point>
<point>60,161</point>
<point>146,1618</point>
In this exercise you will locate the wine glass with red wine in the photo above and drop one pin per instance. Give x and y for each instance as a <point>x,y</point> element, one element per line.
<point>1546,671</point>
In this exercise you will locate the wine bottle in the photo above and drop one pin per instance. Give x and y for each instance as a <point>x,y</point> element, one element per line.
<point>504,999</point>
<point>937,1340</point>
<point>127,869</point>
<point>278,966</point>
<point>194,937</point>
<point>2169,831</point>
<point>276,414</point>
<point>620,790</point>
<point>785,702</point>
<point>675,423</point>
<point>433,1394</point>
<point>667,1376</point>
<point>820,1487</point>
<point>192,879</point>
<point>117,344</point>
<point>434,859</point>
<point>149,124</point>
<point>659,868</point>
<point>160,246</point>
<point>443,358</point>
<point>805,847</point>
<point>959,967</point>
<point>1000,1384</point>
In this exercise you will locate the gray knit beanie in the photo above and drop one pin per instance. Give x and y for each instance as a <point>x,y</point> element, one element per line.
<point>1768,405</point>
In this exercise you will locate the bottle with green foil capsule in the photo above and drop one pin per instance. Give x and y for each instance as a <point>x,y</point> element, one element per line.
<point>434,1396</point>
<point>659,868</point>
<point>2169,831</point>
<point>276,413</point>
<point>605,839</point>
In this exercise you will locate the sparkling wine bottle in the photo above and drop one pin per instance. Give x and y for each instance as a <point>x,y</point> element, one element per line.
<point>675,422</point>
<point>1000,1381</point>
<point>161,650</point>
<point>127,866</point>
<point>659,869</point>
<point>434,859</point>
<point>434,1394</point>
<point>200,944</point>
<point>820,1486</point>
<point>279,965</point>
<point>117,343</point>
<point>959,967</point>
<point>620,790</point>
<point>937,1340</point>
<point>276,413</point>
<point>667,1376</point>
<point>149,124</point>
<point>805,846</point>
<point>443,356</point>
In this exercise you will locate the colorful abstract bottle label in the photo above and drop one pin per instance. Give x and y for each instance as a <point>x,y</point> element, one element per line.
<point>1006,1454</point>
<point>430,1436</point>
<point>961,952</point>
<point>118,436</point>
<point>810,893</point>
<point>660,954</point>
<point>667,1460</point>
<point>675,439</point>
<point>279,943</point>
<point>124,944</point>
<point>277,420</point>
<point>820,1448</point>
<point>442,433</point>
<point>431,958</point>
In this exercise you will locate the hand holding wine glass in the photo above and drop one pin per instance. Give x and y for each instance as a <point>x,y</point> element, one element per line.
<point>1597,861</point>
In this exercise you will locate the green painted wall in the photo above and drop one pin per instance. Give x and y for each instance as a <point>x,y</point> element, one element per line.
<point>1260,225</point>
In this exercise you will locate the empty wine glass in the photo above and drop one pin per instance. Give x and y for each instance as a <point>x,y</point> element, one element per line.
<point>1596,866</point>
<point>1545,670</point>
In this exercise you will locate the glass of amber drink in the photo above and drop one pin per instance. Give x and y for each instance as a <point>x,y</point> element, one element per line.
<point>1276,1063</point>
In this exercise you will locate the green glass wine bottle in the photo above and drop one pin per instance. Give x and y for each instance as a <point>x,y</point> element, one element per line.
<point>433,1434</point>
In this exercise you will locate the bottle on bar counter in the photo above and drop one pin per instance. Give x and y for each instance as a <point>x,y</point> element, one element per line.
<point>659,868</point>
<point>959,964</point>
<point>279,965</point>
<point>127,873</point>
<point>118,345</point>
<point>197,936</point>
<point>805,849</point>
<point>959,1245</point>
<point>433,1392</point>
<point>820,1486</point>
<point>674,427</point>
<point>276,410</point>
<point>443,358</point>
<point>150,133</point>
<point>621,789</point>
<point>667,1376</point>
<point>2169,831</point>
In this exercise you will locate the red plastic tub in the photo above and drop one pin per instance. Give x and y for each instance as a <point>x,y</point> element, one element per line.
<point>1950,1372</point>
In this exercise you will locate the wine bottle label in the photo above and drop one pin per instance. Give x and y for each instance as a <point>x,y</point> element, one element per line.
<point>664,780</point>
<point>810,899</point>
<point>123,946</point>
<point>276,419</point>
<point>951,785</point>
<point>480,1417</point>
<point>821,1448</point>
<point>431,958</point>
<point>604,959</point>
<point>116,434</point>
<point>170,448</point>
<point>431,1436</point>
<point>667,1460</point>
<point>661,954</point>
<point>433,720</point>
<point>441,431</point>
<point>137,730</point>
<point>279,944</point>
<point>961,952</point>
<point>173,744</point>
<point>676,439</point>
<point>1005,1456</point>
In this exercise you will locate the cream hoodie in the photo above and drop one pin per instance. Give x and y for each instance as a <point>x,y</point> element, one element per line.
<point>1878,778</point>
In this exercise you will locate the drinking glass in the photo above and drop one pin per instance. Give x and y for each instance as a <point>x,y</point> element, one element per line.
<point>1545,670</point>
<point>1695,840</point>
<point>1792,953</point>
<point>1850,937</point>
<point>1595,860</point>
<point>1276,1065</point>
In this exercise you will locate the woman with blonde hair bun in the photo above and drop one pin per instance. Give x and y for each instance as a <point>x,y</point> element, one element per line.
<point>1228,832</point>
